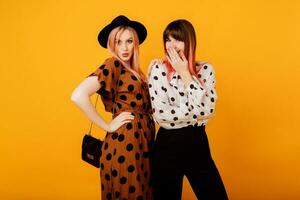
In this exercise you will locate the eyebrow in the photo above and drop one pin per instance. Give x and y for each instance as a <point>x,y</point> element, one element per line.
<point>126,39</point>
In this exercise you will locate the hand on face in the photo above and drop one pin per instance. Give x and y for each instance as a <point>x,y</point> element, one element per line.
<point>177,60</point>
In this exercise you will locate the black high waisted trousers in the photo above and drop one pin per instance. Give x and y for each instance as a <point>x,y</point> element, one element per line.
<point>184,151</point>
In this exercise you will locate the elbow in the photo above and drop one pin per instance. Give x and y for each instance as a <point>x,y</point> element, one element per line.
<point>75,96</point>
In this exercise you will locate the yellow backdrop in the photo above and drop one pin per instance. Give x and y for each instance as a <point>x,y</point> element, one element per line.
<point>48,47</point>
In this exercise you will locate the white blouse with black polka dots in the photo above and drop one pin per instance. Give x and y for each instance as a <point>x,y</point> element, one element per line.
<point>175,105</point>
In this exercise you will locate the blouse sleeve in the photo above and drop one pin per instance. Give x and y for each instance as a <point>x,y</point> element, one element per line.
<point>168,106</point>
<point>204,97</point>
<point>108,75</point>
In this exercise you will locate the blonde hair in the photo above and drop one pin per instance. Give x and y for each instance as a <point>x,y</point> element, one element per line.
<point>134,66</point>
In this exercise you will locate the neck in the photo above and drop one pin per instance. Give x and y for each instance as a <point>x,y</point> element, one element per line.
<point>128,63</point>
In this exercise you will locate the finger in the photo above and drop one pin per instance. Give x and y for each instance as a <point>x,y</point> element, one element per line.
<point>118,122</point>
<point>128,115</point>
<point>168,54</point>
<point>203,117</point>
<point>125,117</point>
<point>122,118</point>
<point>129,118</point>
<point>176,55</point>
<point>119,117</point>
<point>126,121</point>
<point>170,61</point>
<point>122,114</point>
<point>171,54</point>
<point>125,114</point>
<point>208,116</point>
<point>182,56</point>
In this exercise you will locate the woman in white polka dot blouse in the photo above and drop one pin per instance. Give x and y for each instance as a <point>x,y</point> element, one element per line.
<point>183,98</point>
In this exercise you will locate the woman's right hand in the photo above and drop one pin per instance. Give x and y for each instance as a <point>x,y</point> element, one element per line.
<point>177,60</point>
<point>119,120</point>
<point>200,117</point>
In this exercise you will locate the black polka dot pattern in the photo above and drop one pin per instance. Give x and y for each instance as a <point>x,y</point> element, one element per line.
<point>130,88</point>
<point>108,157</point>
<point>116,63</point>
<point>121,137</point>
<point>180,105</point>
<point>129,126</point>
<point>121,159</point>
<point>123,180</point>
<point>131,168</point>
<point>131,189</point>
<point>123,97</point>
<point>123,149</point>
<point>139,96</point>
<point>105,72</point>
<point>129,147</point>
<point>115,136</point>
<point>114,173</point>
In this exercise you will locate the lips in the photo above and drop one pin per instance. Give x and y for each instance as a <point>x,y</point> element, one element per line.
<point>125,54</point>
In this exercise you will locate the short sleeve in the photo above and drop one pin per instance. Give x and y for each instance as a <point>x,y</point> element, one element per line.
<point>108,74</point>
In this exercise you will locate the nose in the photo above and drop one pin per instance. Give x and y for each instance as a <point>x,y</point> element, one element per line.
<point>124,46</point>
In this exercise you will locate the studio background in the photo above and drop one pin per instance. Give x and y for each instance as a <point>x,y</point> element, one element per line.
<point>48,47</point>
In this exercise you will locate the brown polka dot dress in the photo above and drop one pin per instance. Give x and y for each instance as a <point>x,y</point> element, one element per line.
<point>125,167</point>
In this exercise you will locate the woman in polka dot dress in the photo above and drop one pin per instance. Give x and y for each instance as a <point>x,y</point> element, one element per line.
<point>125,167</point>
<point>183,97</point>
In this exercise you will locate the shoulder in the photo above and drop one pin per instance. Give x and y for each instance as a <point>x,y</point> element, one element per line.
<point>204,67</point>
<point>155,66</point>
<point>112,63</point>
<point>110,67</point>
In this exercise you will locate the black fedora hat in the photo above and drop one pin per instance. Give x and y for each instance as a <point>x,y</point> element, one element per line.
<point>122,21</point>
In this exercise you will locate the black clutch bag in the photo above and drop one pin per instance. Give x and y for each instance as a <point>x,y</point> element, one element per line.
<point>91,150</point>
<point>91,147</point>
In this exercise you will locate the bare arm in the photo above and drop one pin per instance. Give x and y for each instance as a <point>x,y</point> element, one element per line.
<point>81,97</point>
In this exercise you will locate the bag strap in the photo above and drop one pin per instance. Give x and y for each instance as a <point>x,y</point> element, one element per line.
<point>89,133</point>
<point>114,101</point>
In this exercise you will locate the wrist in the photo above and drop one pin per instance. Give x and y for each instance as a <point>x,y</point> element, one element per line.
<point>106,128</point>
<point>186,77</point>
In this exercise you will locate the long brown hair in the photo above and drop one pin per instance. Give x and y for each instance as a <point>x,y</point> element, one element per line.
<point>184,31</point>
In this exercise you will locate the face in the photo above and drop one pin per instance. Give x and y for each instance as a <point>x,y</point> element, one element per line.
<point>176,44</point>
<point>124,45</point>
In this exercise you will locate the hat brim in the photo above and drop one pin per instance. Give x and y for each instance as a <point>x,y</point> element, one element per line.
<point>137,26</point>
